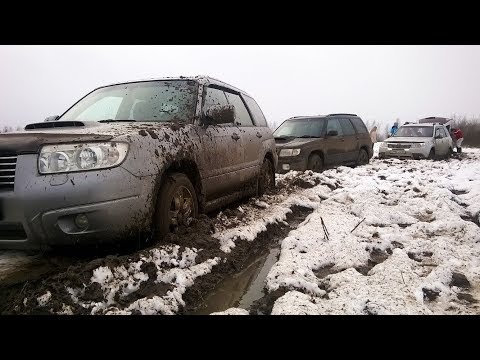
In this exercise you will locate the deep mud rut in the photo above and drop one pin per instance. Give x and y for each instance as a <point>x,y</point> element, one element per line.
<point>25,283</point>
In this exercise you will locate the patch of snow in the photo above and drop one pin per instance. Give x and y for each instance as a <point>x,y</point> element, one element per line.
<point>44,299</point>
<point>232,311</point>
<point>411,237</point>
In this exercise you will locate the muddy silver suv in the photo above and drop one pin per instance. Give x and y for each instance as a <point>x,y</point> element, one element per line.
<point>132,158</point>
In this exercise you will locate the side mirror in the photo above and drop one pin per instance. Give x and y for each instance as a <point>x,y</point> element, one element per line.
<point>52,118</point>
<point>332,133</point>
<point>220,114</point>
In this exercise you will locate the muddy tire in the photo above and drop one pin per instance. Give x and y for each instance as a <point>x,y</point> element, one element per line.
<point>363,157</point>
<point>176,206</point>
<point>266,179</point>
<point>431,155</point>
<point>315,163</point>
<point>449,153</point>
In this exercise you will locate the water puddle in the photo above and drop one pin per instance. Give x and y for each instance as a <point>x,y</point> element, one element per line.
<point>245,287</point>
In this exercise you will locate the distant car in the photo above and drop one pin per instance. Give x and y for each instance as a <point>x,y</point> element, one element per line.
<point>132,158</point>
<point>317,142</point>
<point>418,141</point>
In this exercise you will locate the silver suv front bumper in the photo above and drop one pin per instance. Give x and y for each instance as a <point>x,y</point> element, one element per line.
<point>41,209</point>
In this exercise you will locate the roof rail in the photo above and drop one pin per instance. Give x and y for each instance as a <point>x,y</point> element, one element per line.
<point>342,114</point>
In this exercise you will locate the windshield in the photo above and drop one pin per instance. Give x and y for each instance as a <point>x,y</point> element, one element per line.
<point>300,128</point>
<point>414,131</point>
<point>172,100</point>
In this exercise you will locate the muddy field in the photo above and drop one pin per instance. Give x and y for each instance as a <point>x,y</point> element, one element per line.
<point>283,253</point>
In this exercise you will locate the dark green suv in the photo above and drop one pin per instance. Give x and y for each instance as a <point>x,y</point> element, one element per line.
<point>316,142</point>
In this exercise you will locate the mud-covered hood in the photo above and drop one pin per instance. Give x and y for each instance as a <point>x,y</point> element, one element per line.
<point>294,142</point>
<point>31,140</point>
<point>408,139</point>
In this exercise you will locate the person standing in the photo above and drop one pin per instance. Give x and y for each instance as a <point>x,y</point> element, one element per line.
<point>458,134</point>
<point>394,128</point>
<point>373,135</point>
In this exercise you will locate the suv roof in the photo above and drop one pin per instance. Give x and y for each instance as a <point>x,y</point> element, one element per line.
<point>434,119</point>
<point>201,79</point>
<point>424,124</point>
<point>318,116</point>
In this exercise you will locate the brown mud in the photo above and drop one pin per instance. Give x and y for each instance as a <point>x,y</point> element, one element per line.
<point>239,281</point>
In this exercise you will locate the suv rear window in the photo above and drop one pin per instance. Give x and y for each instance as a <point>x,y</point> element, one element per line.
<point>242,117</point>
<point>347,127</point>
<point>359,125</point>
<point>255,110</point>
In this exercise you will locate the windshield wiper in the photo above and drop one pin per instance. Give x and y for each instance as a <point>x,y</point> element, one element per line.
<point>308,136</point>
<point>111,120</point>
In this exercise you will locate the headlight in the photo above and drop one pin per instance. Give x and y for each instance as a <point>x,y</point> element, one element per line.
<point>417,145</point>
<point>383,145</point>
<point>289,152</point>
<point>80,157</point>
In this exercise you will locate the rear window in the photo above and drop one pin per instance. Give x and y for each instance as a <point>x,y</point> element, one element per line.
<point>255,110</point>
<point>359,125</point>
<point>347,127</point>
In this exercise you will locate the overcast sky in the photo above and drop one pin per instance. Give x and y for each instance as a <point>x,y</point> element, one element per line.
<point>379,83</point>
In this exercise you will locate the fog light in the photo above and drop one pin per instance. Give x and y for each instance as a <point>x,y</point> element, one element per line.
<point>81,220</point>
<point>286,166</point>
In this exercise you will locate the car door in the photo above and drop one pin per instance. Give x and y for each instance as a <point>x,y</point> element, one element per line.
<point>439,141</point>
<point>446,140</point>
<point>221,151</point>
<point>351,142</point>
<point>334,144</point>
<point>251,137</point>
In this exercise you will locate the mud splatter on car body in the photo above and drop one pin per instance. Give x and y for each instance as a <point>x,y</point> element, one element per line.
<point>223,161</point>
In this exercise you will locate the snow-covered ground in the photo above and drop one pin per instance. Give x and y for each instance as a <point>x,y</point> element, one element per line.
<point>412,252</point>
<point>391,237</point>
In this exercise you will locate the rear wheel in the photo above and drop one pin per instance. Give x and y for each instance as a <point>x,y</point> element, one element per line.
<point>431,155</point>
<point>176,204</point>
<point>315,163</point>
<point>449,153</point>
<point>266,179</point>
<point>362,157</point>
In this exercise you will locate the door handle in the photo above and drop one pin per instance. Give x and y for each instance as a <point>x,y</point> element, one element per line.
<point>235,137</point>
<point>259,135</point>
<point>342,139</point>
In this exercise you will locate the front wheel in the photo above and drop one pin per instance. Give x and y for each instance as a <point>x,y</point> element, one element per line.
<point>176,204</point>
<point>431,155</point>
<point>315,163</point>
<point>266,179</point>
<point>362,157</point>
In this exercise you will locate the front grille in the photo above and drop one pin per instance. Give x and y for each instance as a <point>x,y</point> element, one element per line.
<point>8,162</point>
<point>13,231</point>
<point>399,146</point>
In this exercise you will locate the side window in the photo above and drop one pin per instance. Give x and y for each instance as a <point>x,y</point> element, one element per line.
<point>334,125</point>
<point>438,133</point>
<point>442,132</point>
<point>242,117</point>
<point>359,125</point>
<point>104,109</point>
<point>256,112</point>
<point>347,127</point>
<point>214,97</point>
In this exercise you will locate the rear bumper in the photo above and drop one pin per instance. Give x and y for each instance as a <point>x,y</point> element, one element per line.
<point>41,210</point>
